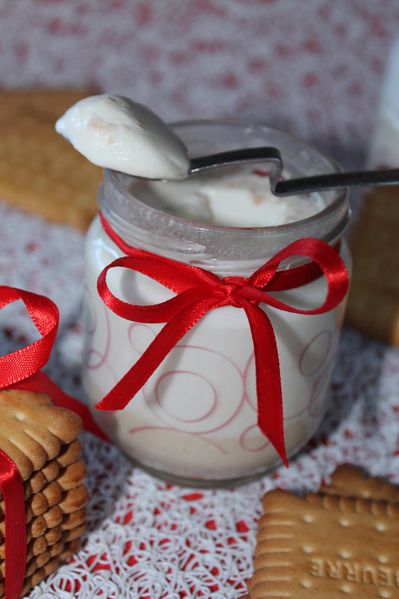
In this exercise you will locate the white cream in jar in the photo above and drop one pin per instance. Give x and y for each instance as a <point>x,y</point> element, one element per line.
<point>231,197</point>
<point>196,418</point>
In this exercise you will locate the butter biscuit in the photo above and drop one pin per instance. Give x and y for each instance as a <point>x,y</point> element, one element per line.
<point>351,481</point>
<point>326,544</point>
<point>39,171</point>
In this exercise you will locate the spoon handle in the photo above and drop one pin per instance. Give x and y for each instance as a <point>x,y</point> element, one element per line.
<point>274,166</point>
<point>231,157</point>
<point>336,181</point>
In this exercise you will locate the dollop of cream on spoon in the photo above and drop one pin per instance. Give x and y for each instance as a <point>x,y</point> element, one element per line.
<point>116,133</point>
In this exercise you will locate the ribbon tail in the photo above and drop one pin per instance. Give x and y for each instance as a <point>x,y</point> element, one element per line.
<point>12,489</point>
<point>156,352</point>
<point>41,383</point>
<point>268,380</point>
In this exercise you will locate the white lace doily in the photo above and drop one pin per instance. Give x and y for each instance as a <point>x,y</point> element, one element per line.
<point>151,540</point>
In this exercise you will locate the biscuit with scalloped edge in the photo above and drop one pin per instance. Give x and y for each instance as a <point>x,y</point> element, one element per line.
<point>42,440</point>
<point>351,481</point>
<point>33,430</point>
<point>50,566</point>
<point>70,454</point>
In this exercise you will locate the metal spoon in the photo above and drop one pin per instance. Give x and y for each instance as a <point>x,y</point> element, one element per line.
<point>293,186</point>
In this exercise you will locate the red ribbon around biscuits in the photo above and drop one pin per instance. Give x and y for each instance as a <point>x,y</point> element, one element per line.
<point>199,291</point>
<point>21,370</point>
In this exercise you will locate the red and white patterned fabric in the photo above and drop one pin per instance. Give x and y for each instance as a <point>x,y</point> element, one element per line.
<point>313,68</point>
<point>151,540</point>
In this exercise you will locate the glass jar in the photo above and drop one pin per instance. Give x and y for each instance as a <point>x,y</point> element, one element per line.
<point>195,420</point>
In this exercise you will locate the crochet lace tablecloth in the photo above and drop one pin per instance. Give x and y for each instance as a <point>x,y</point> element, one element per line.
<point>152,540</point>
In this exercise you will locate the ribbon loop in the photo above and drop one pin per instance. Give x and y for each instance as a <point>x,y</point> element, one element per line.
<point>198,291</point>
<point>23,363</point>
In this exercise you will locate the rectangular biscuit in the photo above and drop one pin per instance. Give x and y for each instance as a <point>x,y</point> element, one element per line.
<point>40,172</point>
<point>373,302</point>
<point>330,545</point>
<point>351,481</point>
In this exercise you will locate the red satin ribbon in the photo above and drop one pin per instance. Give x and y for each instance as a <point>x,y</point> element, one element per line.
<point>199,291</point>
<point>21,370</point>
<point>25,362</point>
<point>12,490</point>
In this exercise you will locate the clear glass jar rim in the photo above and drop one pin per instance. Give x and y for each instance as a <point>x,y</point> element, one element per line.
<point>115,179</point>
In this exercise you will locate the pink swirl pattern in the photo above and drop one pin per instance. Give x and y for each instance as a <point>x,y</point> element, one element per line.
<point>218,374</point>
<point>250,392</point>
<point>249,382</point>
<point>142,429</point>
<point>140,336</point>
<point>315,353</point>
<point>247,443</point>
<point>315,356</point>
<point>191,384</point>
<point>98,338</point>
<point>319,390</point>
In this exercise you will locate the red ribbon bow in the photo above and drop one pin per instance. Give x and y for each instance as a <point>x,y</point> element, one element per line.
<point>199,291</point>
<point>21,370</point>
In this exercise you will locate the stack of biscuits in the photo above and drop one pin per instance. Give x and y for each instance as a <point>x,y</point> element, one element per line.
<point>343,541</point>
<point>42,440</point>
